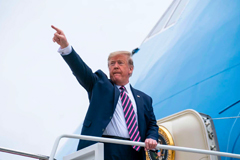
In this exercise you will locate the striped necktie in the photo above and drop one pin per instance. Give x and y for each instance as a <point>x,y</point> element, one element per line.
<point>130,117</point>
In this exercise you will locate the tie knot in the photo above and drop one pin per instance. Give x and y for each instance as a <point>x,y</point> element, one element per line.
<point>122,88</point>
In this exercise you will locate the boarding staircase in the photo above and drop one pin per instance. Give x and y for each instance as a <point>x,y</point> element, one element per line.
<point>173,134</point>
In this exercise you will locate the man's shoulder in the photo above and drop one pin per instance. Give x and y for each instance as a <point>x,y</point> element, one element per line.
<point>141,93</point>
<point>103,77</point>
<point>101,74</point>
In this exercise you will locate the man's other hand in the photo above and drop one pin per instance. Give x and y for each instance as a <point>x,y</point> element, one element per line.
<point>150,144</point>
<point>60,38</point>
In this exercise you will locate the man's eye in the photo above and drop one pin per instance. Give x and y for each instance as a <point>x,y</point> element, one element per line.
<point>120,63</point>
<point>112,63</point>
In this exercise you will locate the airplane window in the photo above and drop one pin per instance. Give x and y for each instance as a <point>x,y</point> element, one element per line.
<point>170,17</point>
<point>178,11</point>
<point>164,19</point>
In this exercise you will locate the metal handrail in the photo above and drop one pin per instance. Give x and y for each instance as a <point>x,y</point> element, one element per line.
<point>132,143</point>
<point>25,154</point>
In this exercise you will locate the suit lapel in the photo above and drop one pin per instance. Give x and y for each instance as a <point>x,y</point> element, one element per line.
<point>140,108</point>
<point>116,97</point>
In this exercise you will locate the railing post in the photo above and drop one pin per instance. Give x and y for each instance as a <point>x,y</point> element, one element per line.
<point>95,151</point>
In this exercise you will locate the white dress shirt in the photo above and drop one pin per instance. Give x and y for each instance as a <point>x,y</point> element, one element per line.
<point>65,51</point>
<point>117,125</point>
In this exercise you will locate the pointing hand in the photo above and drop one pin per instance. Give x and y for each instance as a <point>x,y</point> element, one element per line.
<point>60,38</point>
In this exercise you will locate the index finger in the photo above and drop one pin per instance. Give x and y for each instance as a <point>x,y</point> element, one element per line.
<point>58,30</point>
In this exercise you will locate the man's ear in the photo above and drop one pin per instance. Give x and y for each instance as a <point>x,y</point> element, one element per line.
<point>130,70</point>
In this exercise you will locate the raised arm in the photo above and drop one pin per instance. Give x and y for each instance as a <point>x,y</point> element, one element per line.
<point>80,69</point>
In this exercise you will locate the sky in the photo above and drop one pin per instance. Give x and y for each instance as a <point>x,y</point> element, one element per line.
<point>40,97</point>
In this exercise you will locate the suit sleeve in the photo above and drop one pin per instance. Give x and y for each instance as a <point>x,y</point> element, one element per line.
<point>81,71</point>
<point>152,127</point>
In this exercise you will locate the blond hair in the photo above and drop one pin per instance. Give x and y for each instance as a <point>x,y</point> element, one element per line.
<point>128,54</point>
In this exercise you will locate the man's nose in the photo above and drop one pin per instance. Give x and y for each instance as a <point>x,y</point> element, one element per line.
<point>116,65</point>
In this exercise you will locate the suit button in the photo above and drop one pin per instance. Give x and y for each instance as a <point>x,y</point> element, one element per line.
<point>110,117</point>
<point>103,129</point>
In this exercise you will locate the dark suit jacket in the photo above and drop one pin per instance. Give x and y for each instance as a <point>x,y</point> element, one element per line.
<point>103,96</point>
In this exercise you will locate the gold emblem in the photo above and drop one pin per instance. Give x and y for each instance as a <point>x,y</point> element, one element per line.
<point>164,138</point>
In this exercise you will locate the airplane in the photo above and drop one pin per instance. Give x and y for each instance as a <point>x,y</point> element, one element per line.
<point>191,60</point>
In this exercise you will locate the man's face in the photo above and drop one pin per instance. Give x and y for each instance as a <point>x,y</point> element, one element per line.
<point>119,69</point>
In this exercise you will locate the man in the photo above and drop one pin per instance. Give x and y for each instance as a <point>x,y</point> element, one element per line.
<point>116,109</point>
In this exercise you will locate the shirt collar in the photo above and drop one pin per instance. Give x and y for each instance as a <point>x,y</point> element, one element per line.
<point>127,86</point>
